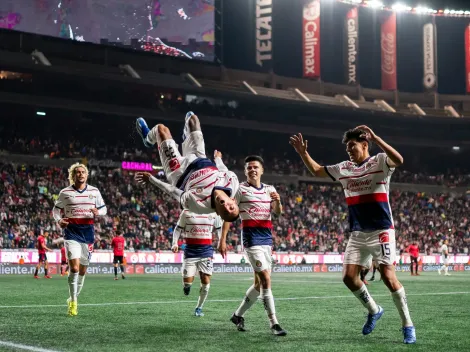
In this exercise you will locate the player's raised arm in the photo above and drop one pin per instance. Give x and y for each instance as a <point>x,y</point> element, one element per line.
<point>222,248</point>
<point>395,159</point>
<point>300,146</point>
<point>218,161</point>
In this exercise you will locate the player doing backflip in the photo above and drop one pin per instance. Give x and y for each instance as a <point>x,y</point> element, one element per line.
<point>366,183</point>
<point>200,185</point>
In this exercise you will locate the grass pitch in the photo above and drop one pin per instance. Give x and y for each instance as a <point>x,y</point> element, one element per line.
<point>150,313</point>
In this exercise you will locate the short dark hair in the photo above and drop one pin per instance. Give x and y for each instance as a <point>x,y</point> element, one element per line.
<point>254,158</point>
<point>355,135</point>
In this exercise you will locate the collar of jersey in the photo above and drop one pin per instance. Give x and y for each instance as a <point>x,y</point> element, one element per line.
<point>73,186</point>
<point>364,161</point>
<point>259,189</point>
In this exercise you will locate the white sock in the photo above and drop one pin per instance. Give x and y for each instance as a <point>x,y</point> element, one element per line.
<point>152,135</point>
<point>268,300</point>
<point>443,267</point>
<point>366,299</point>
<point>80,281</point>
<point>250,299</point>
<point>446,269</point>
<point>73,285</point>
<point>203,292</point>
<point>187,284</point>
<point>399,298</point>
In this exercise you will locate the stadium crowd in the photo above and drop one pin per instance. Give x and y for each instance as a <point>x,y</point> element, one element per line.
<point>315,219</point>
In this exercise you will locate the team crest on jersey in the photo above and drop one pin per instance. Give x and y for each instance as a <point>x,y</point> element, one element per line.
<point>91,196</point>
<point>258,264</point>
<point>384,238</point>
<point>199,190</point>
<point>210,217</point>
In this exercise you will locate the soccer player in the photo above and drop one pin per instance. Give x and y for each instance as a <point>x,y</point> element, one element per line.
<point>445,259</point>
<point>42,249</point>
<point>197,229</point>
<point>200,185</point>
<point>64,267</point>
<point>256,201</point>
<point>118,243</point>
<point>366,183</point>
<point>75,211</point>
<point>413,249</point>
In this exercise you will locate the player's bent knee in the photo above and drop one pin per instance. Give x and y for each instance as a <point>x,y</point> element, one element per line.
<point>194,124</point>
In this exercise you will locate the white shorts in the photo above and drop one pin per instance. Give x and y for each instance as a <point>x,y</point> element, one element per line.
<point>79,250</point>
<point>174,164</point>
<point>259,257</point>
<point>363,247</point>
<point>191,266</point>
<point>445,260</point>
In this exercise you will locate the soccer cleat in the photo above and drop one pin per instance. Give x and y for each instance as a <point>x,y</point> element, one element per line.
<point>278,331</point>
<point>372,278</point>
<point>409,334</point>
<point>72,307</point>
<point>36,277</point>
<point>198,312</point>
<point>372,319</point>
<point>186,290</point>
<point>143,130</point>
<point>446,274</point>
<point>186,128</point>
<point>48,277</point>
<point>123,277</point>
<point>116,278</point>
<point>239,322</point>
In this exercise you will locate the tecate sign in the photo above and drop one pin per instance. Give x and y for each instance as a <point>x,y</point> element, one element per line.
<point>428,51</point>
<point>311,39</point>
<point>264,10</point>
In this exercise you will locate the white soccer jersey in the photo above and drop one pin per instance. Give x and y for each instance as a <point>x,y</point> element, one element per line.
<point>198,196</point>
<point>197,230</point>
<point>366,187</point>
<point>75,206</point>
<point>255,212</point>
<point>444,250</point>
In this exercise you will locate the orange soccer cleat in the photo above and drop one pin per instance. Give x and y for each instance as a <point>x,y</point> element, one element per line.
<point>47,277</point>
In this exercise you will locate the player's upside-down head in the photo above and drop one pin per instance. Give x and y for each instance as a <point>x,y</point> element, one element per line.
<point>225,206</point>
<point>357,145</point>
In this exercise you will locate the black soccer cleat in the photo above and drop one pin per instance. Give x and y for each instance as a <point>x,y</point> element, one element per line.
<point>239,322</point>
<point>186,290</point>
<point>278,331</point>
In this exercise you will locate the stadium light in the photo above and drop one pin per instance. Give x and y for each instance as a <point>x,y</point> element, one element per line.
<point>456,148</point>
<point>375,4</point>
<point>40,113</point>
<point>446,11</point>
<point>356,1</point>
<point>398,7</point>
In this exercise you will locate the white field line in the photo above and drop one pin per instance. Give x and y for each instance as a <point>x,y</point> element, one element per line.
<point>24,347</point>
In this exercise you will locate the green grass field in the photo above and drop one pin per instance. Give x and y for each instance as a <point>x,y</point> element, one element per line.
<point>150,313</point>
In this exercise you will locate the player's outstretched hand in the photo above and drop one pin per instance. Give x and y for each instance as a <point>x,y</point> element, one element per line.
<point>368,133</point>
<point>217,154</point>
<point>222,248</point>
<point>63,223</point>
<point>175,249</point>
<point>143,177</point>
<point>300,145</point>
<point>275,197</point>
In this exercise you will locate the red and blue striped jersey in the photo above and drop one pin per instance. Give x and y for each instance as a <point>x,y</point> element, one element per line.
<point>366,187</point>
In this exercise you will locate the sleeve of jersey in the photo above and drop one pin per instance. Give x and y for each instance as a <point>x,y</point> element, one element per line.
<point>382,159</point>
<point>334,171</point>
<point>58,207</point>
<point>220,164</point>
<point>218,226</point>
<point>102,210</point>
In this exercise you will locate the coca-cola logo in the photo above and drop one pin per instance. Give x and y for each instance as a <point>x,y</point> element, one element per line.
<point>355,184</point>
<point>388,45</point>
<point>312,10</point>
